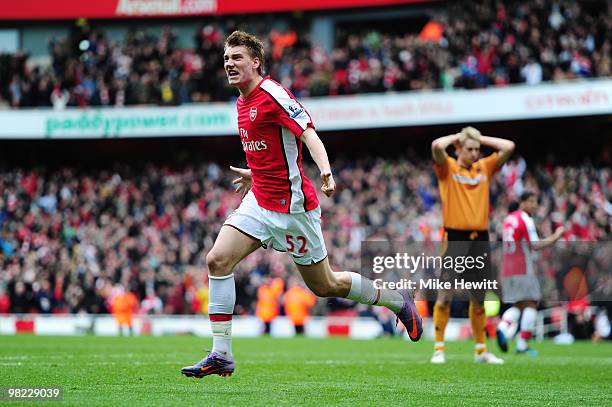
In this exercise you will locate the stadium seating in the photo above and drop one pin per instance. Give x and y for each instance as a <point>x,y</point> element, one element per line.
<point>70,235</point>
<point>475,45</point>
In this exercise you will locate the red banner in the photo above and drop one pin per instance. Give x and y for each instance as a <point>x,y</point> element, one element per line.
<point>234,7</point>
<point>71,9</point>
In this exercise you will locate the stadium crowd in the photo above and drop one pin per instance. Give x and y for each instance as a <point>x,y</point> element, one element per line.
<point>70,238</point>
<point>471,45</point>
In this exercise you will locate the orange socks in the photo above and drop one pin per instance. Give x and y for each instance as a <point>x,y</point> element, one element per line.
<point>441,313</point>
<point>478,319</point>
<point>479,323</point>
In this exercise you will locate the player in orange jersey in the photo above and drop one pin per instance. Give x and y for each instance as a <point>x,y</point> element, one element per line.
<point>123,307</point>
<point>464,191</point>
<point>298,302</point>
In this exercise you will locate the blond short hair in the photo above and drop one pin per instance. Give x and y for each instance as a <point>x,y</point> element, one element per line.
<point>469,133</point>
<point>253,45</point>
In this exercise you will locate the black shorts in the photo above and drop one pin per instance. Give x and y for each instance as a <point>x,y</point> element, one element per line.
<point>467,264</point>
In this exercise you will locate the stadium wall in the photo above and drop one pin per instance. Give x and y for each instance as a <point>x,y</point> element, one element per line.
<point>198,325</point>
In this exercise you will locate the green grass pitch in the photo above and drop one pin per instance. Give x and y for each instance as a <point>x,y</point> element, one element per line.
<point>113,371</point>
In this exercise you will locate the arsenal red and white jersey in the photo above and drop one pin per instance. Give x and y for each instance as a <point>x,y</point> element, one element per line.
<point>270,124</point>
<point>519,234</point>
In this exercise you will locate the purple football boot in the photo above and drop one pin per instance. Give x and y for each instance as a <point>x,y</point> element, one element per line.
<point>211,364</point>
<point>410,317</point>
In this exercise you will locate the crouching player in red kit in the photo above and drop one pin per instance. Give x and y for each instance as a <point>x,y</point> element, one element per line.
<point>280,208</point>
<point>520,285</point>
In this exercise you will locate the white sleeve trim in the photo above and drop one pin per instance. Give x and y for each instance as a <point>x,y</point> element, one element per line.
<point>291,106</point>
<point>532,233</point>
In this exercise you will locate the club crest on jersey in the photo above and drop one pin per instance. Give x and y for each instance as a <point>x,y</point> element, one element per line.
<point>253,113</point>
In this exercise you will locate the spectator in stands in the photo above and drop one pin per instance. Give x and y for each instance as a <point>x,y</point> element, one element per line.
<point>21,298</point>
<point>74,233</point>
<point>473,45</point>
<point>5,301</point>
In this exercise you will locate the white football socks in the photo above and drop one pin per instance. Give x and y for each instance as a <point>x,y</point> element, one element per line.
<point>363,291</point>
<point>528,322</point>
<point>222,335</point>
<point>528,319</point>
<point>509,321</point>
<point>222,297</point>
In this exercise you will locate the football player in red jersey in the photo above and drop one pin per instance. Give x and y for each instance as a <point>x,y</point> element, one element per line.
<point>280,208</point>
<point>520,285</point>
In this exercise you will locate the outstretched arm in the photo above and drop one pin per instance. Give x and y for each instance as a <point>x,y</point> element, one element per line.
<point>319,155</point>
<point>550,240</point>
<point>439,146</point>
<point>504,148</point>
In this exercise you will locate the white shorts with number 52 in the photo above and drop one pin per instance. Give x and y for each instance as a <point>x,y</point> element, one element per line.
<point>297,233</point>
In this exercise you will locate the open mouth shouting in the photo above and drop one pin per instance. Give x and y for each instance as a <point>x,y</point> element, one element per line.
<point>232,74</point>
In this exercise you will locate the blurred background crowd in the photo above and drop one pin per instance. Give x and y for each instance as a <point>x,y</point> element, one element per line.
<point>468,45</point>
<point>71,238</point>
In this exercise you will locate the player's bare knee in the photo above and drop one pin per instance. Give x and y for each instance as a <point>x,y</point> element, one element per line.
<point>218,265</point>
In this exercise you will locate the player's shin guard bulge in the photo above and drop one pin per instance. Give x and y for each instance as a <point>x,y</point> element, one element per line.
<point>360,292</point>
<point>401,303</point>
<point>363,291</point>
